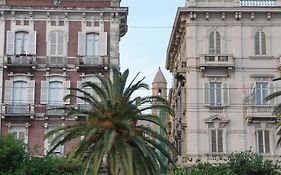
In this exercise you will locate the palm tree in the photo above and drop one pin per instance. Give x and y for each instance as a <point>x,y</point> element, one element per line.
<point>277,111</point>
<point>112,128</point>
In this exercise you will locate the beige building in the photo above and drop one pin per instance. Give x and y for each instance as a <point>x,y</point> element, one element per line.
<point>223,56</point>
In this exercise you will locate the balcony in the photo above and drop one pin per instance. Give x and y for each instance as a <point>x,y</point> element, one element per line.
<point>20,61</point>
<point>55,110</point>
<point>257,3</point>
<point>257,113</point>
<point>216,65</point>
<point>92,62</point>
<point>56,61</point>
<point>18,110</point>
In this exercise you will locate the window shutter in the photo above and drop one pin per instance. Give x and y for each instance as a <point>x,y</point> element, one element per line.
<point>44,92</point>
<point>220,142</point>
<point>10,43</point>
<point>32,43</point>
<point>212,43</point>
<point>263,43</point>
<point>79,85</point>
<point>206,93</point>
<point>271,90</point>
<point>66,91</point>
<point>60,46</point>
<point>218,43</point>
<point>81,43</point>
<point>266,140</point>
<point>31,91</point>
<point>103,43</point>
<point>53,43</point>
<point>252,93</point>
<point>8,92</point>
<point>225,90</point>
<point>213,140</point>
<point>257,44</point>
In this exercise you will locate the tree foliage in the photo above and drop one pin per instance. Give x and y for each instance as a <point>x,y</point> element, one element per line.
<point>112,130</point>
<point>14,160</point>
<point>242,163</point>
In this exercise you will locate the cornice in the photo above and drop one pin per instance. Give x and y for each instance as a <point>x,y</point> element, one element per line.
<point>187,16</point>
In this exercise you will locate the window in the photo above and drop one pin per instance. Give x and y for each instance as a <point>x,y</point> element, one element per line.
<point>55,93</point>
<point>21,43</point>
<point>216,140</point>
<point>20,132</point>
<point>54,90</point>
<point>89,90</point>
<point>56,43</point>
<point>259,91</point>
<point>92,41</point>
<point>263,141</point>
<point>20,97</point>
<point>47,143</point>
<point>260,43</point>
<point>214,43</point>
<point>216,94</point>
<point>19,94</point>
<point>92,44</point>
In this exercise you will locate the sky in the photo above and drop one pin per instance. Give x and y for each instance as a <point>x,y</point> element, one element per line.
<point>143,48</point>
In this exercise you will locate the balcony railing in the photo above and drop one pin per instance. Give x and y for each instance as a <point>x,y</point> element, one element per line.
<point>55,61</point>
<point>85,107</point>
<point>90,62</point>
<point>55,110</point>
<point>259,112</point>
<point>216,61</point>
<point>20,60</point>
<point>257,3</point>
<point>19,109</point>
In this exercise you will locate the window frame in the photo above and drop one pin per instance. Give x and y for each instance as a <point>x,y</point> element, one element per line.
<point>260,43</point>
<point>214,40</point>
<point>95,44</point>
<point>217,148</point>
<point>23,45</point>
<point>55,44</point>
<point>265,149</point>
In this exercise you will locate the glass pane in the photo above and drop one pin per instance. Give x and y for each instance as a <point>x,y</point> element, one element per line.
<point>257,44</point>
<point>260,141</point>
<point>212,43</point>
<point>21,135</point>
<point>263,43</point>
<point>218,43</point>
<point>60,43</point>
<point>56,93</point>
<point>214,140</point>
<point>259,93</point>
<point>267,143</point>
<point>218,93</point>
<point>220,143</point>
<point>92,40</point>
<point>264,92</point>
<point>21,43</point>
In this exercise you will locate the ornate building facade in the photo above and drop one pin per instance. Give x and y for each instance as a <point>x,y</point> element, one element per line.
<point>48,46</point>
<point>223,56</point>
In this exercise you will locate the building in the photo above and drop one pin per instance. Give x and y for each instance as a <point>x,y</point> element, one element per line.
<point>223,56</point>
<point>46,47</point>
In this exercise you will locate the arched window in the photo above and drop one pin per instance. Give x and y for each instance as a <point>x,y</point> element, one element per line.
<point>56,92</point>
<point>92,44</point>
<point>260,43</point>
<point>20,98</point>
<point>21,42</point>
<point>214,43</point>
